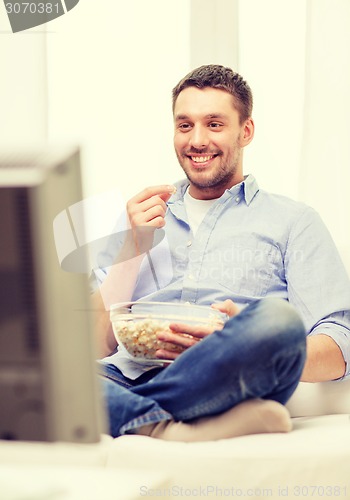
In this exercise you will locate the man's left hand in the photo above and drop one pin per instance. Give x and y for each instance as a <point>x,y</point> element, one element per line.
<point>185,336</point>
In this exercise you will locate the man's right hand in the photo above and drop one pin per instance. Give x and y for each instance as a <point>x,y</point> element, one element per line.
<point>148,207</point>
<point>146,212</point>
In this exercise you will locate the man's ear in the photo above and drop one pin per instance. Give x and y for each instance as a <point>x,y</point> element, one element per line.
<point>247,132</point>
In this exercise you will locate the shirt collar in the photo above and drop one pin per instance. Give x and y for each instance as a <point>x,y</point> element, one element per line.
<point>248,187</point>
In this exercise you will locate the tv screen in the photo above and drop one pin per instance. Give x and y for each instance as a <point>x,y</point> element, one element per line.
<point>48,381</point>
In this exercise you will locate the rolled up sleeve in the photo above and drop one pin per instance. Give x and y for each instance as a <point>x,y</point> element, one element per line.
<point>336,326</point>
<point>318,284</point>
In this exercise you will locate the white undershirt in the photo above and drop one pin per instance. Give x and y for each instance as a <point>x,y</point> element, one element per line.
<point>196,210</point>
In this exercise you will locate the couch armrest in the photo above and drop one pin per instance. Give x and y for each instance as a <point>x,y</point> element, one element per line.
<point>320,398</point>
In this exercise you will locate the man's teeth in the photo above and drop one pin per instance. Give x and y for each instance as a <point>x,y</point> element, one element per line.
<point>201,159</point>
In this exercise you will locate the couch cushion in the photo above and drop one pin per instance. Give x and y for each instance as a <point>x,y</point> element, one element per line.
<point>322,398</point>
<point>315,453</point>
<point>55,453</point>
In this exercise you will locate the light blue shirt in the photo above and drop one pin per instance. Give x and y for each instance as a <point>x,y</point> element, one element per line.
<point>251,244</point>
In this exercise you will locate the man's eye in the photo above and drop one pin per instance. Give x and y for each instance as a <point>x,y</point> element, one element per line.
<point>184,126</point>
<point>215,125</point>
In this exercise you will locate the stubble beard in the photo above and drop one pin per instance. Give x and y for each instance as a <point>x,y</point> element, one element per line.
<point>222,177</point>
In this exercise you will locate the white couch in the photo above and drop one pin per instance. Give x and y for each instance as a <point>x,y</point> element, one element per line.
<point>315,453</point>
<point>311,461</point>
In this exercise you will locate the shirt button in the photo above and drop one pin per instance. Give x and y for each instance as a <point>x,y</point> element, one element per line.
<point>191,277</point>
<point>189,243</point>
<point>238,199</point>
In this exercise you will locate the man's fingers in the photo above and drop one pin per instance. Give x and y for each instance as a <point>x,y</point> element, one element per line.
<point>197,331</point>
<point>182,335</point>
<point>143,206</point>
<point>164,354</point>
<point>164,191</point>
<point>142,215</point>
<point>228,307</point>
<point>149,206</point>
<point>179,339</point>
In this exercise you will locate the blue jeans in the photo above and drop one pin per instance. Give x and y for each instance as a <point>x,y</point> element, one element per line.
<point>260,353</point>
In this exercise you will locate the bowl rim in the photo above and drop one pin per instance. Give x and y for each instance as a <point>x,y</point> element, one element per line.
<point>220,316</point>
<point>175,303</point>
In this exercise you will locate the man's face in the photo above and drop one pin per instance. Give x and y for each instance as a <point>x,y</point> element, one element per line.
<point>208,140</point>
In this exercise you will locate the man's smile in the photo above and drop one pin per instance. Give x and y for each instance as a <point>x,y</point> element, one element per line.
<point>202,159</point>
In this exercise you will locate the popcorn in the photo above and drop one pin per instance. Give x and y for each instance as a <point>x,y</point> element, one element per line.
<point>140,337</point>
<point>136,325</point>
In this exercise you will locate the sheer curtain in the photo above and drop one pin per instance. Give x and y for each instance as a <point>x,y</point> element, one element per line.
<point>103,78</point>
<point>296,55</point>
<point>324,178</point>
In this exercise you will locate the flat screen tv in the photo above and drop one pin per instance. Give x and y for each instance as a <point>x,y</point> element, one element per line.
<point>48,382</point>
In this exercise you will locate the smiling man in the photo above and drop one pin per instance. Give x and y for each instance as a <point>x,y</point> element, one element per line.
<point>263,259</point>
<point>209,137</point>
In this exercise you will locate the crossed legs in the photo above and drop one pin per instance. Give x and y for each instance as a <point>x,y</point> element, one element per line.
<point>233,382</point>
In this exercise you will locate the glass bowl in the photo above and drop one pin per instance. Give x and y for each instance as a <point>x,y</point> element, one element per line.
<point>136,324</point>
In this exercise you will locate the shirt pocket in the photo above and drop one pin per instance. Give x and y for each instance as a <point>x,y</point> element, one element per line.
<point>250,268</point>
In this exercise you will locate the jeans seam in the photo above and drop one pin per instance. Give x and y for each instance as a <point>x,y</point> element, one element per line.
<point>151,417</point>
<point>104,372</point>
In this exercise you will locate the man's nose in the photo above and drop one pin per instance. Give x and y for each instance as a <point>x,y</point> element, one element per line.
<point>199,137</point>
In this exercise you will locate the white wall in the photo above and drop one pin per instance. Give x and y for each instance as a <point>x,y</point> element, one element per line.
<point>23,103</point>
<point>111,68</point>
<point>295,55</point>
<point>325,156</point>
<point>272,59</point>
<point>214,32</point>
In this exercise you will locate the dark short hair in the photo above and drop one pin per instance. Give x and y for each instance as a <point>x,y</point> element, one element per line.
<point>219,77</point>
